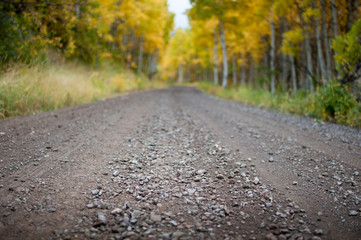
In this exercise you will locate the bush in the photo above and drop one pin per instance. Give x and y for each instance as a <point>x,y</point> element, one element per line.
<point>334,102</point>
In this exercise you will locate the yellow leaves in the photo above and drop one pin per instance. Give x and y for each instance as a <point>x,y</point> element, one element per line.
<point>310,13</point>
<point>291,40</point>
<point>70,48</point>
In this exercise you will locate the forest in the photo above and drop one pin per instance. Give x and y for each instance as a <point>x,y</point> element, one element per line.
<point>301,51</point>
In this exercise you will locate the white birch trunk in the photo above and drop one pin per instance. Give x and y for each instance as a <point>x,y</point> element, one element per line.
<point>251,72</point>
<point>243,76</point>
<point>180,74</point>
<point>350,15</point>
<point>309,62</point>
<point>224,55</point>
<point>334,23</point>
<point>234,70</point>
<point>293,71</point>
<point>272,55</point>
<point>77,9</point>
<point>140,59</point>
<point>284,58</point>
<point>215,64</point>
<point>334,18</point>
<point>357,9</point>
<point>326,39</point>
<point>321,62</point>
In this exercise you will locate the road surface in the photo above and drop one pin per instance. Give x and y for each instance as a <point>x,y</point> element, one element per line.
<point>177,164</point>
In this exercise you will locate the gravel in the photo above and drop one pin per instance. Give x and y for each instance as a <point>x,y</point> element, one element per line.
<point>177,164</point>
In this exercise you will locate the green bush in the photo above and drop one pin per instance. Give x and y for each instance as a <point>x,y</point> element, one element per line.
<point>334,102</point>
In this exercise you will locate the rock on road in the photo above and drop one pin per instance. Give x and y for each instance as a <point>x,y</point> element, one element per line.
<point>177,164</point>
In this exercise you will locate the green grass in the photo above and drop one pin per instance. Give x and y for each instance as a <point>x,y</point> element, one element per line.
<point>332,102</point>
<point>42,87</point>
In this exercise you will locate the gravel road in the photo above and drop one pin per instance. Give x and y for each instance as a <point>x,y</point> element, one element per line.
<point>177,164</point>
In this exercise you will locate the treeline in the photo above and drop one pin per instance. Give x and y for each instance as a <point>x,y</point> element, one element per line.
<point>283,45</point>
<point>133,33</point>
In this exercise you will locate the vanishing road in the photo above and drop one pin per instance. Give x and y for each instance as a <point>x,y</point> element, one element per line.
<point>177,164</point>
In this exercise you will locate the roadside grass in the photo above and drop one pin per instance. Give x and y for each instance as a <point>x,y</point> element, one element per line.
<point>27,90</point>
<point>331,103</point>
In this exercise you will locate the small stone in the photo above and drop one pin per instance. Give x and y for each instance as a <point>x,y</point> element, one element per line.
<point>174,223</point>
<point>201,172</point>
<point>353,213</point>
<point>95,192</point>
<point>136,214</point>
<point>155,217</point>
<point>116,211</point>
<point>271,159</point>
<point>295,183</point>
<point>284,230</point>
<point>178,234</point>
<point>270,236</point>
<point>52,210</point>
<point>220,176</point>
<point>256,180</point>
<point>101,217</point>
<point>90,205</point>
<point>318,231</point>
<point>116,173</point>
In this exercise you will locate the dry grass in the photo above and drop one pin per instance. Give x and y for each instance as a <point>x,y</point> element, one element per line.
<point>26,90</point>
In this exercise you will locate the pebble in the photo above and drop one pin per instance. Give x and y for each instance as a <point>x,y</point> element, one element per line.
<point>174,223</point>
<point>201,172</point>
<point>101,217</point>
<point>353,213</point>
<point>116,211</point>
<point>155,217</point>
<point>178,234</point>
<point>220,176</point>
<point>270,236</point>
<point>95,192</point>
<point>116,173</point>
<point>318,231</point>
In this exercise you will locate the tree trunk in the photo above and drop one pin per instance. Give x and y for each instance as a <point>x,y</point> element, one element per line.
<point>350,15</point>
<point>284,58</point>
<point>224,55</point>
<point>334,18</point>
<point>321,62</point>
<point>180,74</point>
<point>265,71</point>
<point>77,10</point>
<point>234,70</point>
<point>334,24</point>
<point>357,9</point>
<point>326,39</point>
<point>309,62</point>
<point>215,64</point>
<point>243,75</point>
<point>293,71</point>
<point>140,59</point>
<point>251,72</point>
<point>308,53</point>
<point>272,55</point>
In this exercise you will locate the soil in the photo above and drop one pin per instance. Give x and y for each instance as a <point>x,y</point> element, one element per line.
<point>177,164</point>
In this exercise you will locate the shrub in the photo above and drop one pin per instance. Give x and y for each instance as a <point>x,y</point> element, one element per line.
<point>334,102</point>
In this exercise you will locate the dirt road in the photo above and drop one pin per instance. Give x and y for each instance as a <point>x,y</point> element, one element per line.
<point>177,164</point>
